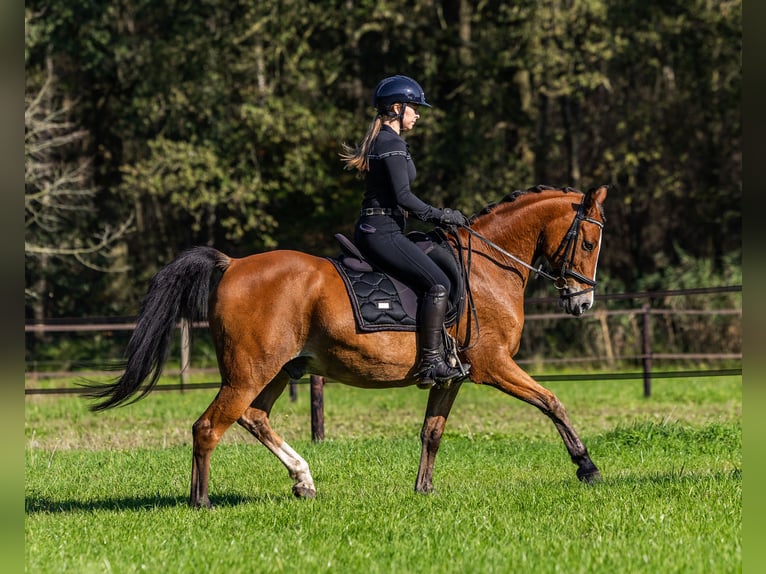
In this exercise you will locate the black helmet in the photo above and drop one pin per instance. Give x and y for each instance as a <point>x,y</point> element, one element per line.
<point>398,89</point>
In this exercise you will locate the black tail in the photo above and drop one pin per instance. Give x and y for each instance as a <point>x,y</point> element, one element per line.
<point>179,290</point>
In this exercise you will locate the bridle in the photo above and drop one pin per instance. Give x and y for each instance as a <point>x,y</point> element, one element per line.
<point>567,247</point>
<point>565,252</point>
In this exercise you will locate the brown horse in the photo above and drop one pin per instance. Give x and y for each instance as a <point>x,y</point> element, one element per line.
<point>276,315</point>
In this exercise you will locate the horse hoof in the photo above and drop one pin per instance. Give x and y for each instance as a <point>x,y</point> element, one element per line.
<point>304,492</point>
<point>591,476</point>
<point>424,488</point>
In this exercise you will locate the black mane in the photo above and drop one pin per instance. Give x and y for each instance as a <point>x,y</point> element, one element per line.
<point>519,192</point>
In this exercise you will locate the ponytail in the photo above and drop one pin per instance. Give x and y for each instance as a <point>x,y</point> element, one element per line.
<point>356,157</point>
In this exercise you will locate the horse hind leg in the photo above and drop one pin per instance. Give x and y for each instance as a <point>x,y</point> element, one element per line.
<point>256,421</point>
<point>207,431</point>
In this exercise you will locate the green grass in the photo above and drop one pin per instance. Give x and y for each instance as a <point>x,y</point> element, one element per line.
<point>107,492</point>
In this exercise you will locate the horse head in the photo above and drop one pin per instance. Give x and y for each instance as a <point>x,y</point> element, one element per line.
<point>571,242</point>
<point>562,226</point>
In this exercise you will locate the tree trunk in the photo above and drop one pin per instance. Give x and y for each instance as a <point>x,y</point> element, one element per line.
<point>543,140</point>
<point>570,114</point>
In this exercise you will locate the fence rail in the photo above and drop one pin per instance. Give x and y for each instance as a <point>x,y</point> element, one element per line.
<point>646,356</point>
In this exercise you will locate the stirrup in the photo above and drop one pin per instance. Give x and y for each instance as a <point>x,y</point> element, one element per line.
<point>427,380</point>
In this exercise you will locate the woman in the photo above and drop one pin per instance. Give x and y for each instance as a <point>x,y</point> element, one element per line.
<point>383,160</point>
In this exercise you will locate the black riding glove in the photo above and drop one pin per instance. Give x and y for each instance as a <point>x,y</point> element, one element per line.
<point>452,217</point>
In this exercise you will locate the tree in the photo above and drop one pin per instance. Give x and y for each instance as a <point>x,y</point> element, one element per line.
<point>58,196</point>
<point>219,122</point>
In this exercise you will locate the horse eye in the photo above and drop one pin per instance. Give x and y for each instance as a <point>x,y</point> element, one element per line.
<point>587,245</point>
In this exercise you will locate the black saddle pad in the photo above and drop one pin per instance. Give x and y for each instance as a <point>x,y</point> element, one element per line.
<point>380,301</point>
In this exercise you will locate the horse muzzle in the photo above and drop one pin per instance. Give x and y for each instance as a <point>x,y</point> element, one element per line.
<point>574,306</point>
<point>576,302</point>
<point>574,299</point>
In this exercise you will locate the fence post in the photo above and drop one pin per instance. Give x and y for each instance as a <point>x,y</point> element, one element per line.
<point>317,408</point>
<point>601,314</point>
<point>647,348</point>
<point>185,352</point>
<point>293,390</point>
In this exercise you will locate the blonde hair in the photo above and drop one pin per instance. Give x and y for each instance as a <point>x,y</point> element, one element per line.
<point>356,157</point>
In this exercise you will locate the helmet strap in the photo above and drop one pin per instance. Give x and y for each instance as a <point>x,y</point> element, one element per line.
<point>400,117</point>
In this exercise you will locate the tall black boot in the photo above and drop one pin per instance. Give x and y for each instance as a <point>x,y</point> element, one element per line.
<point>432,368</point>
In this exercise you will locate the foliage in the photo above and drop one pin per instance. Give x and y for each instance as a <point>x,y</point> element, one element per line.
<point>64,235</point>
<point>688,273</point>
<point>220,122</point>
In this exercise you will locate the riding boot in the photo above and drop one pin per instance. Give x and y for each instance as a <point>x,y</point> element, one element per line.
<point>432,368</point>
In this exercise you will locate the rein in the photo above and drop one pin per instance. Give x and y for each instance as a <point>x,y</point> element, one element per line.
<point>566,248</point>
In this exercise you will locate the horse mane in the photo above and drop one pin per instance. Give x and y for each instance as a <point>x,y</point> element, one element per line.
<point>514,195</point>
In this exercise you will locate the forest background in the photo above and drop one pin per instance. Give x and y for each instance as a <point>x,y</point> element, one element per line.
<point>155,126</point>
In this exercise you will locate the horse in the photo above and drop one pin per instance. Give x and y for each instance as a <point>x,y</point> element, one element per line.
<point>276,315</point>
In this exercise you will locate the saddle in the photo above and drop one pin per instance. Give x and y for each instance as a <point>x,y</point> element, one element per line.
<point>383,303</point>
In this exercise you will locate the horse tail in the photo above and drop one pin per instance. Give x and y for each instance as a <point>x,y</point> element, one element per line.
<point>180,290</point>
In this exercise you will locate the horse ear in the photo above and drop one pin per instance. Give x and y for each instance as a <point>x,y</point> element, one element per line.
<point>595,195</point>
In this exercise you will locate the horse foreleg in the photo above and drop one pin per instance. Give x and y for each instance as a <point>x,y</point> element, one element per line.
<point>256,421</point>
<point>440,401</point>
<point>586,470</point>
<point>522,386</point>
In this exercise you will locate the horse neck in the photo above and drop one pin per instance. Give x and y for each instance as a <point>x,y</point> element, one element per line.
<point>517,226</point>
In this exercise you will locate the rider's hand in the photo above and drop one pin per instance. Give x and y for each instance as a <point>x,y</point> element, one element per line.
<point>452,217</point>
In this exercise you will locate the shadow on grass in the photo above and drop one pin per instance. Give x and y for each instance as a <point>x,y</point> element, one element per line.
<point>679,475</point>
<point>35,505</point>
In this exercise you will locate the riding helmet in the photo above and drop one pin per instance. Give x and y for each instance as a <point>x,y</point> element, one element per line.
<point>398,89</point>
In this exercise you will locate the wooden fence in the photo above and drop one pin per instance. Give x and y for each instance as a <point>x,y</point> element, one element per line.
<point>645,355</point>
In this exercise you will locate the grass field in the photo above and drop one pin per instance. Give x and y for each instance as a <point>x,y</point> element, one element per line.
<point>107,492</point>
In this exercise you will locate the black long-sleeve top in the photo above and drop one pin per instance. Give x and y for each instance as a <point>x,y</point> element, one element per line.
<point>392,170</point>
